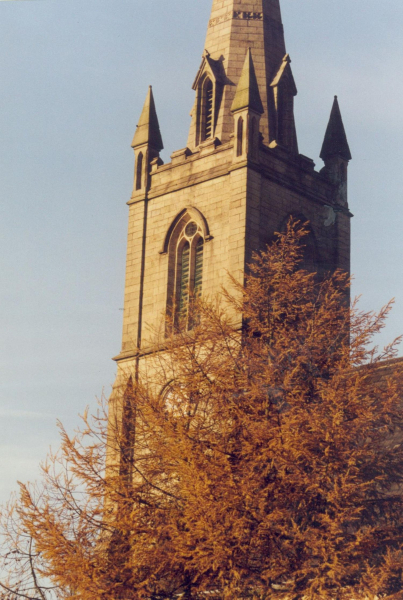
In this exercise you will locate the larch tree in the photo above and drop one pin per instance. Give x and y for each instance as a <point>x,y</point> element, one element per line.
<point>258,456</point>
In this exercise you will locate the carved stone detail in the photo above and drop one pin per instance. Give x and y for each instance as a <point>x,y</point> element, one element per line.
<point>236,14</point>
<point>248,16</point>
<point>225,17</point>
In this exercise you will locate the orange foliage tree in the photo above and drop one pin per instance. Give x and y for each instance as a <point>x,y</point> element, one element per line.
<point>260,456</point>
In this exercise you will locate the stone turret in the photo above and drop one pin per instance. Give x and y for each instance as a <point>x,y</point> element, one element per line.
<point>247,109</point>
<point>147,144</point>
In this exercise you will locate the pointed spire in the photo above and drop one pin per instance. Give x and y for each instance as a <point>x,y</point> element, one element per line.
<point>235,26</point>
<point>247,92</point>
<point>335,142</point>
<point>148,129</point>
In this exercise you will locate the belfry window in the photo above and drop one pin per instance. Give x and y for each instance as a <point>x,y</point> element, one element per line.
<point>207,109</point>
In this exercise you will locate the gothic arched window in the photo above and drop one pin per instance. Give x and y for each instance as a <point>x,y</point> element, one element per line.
<point>185,276</point>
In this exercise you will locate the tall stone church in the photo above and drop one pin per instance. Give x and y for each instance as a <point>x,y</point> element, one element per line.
<point>239,178</point>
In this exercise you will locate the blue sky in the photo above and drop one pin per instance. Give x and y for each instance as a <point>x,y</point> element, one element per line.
<point>74,75</point>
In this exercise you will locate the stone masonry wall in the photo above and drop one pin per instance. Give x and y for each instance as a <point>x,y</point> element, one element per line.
<point>244,204</point>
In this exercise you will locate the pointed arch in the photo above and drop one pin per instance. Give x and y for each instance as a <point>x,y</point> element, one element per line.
<point>184,244</point>
<point>208,85</point>
<point>187,214</point>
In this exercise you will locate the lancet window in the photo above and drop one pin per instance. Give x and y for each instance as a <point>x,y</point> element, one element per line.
<point>239,148</point>
<point>139,171</point>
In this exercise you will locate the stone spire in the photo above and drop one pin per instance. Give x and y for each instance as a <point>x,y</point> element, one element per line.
<point>335,142</point>
<point>235,26</point>
<point>148,129</point>
<point>247,92</point>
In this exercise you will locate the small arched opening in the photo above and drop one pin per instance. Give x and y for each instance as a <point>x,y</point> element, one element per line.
<point>239,136</point>
<point>139,171</point>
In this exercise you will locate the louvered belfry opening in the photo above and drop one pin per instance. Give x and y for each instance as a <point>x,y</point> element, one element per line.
<point>184,282</point>
<point>198,268</point>
<point>208,127</point>
<point>194,317</point>
<point>185,279</point>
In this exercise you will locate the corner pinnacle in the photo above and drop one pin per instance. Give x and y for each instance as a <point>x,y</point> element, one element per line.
<point>335,142</point>
<point>148,129</point>
<point>247,93</point>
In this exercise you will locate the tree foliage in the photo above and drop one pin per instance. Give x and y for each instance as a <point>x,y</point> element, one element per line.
<point>259,456</point>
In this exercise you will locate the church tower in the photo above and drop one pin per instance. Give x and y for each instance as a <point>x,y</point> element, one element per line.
<point>234,185</point>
